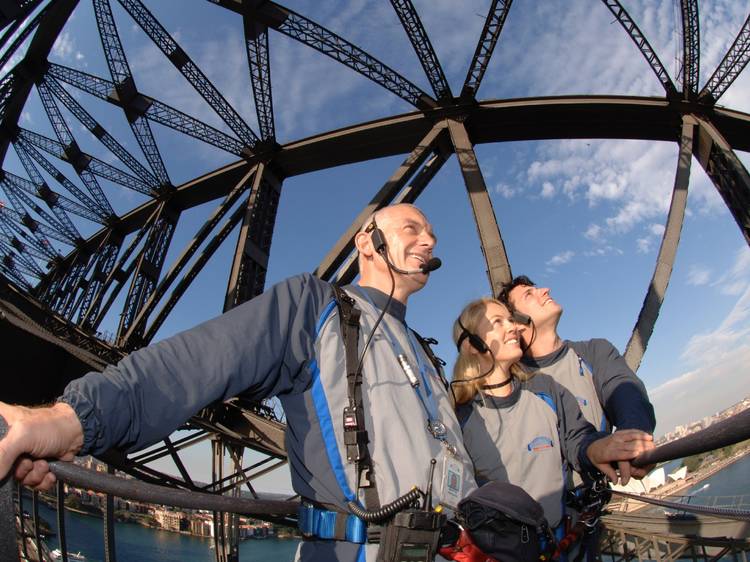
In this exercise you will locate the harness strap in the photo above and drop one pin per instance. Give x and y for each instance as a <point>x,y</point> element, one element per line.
<point>355,431</point>
<point>314,522</point>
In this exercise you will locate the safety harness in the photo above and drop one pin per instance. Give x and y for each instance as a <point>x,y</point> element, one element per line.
<point>315,522</point>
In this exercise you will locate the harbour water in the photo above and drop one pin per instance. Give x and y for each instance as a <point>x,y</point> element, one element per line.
<point>139,544</point>
<point>142,544</point>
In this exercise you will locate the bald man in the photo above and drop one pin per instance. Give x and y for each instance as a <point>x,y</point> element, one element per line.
<point>288,343</point>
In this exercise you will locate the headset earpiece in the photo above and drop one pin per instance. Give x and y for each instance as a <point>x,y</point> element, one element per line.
<point>474,340</point>
<point>521,318</point>
<point>377,236</point>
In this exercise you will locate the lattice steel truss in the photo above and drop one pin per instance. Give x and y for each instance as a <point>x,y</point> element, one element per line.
<point>78,282</point>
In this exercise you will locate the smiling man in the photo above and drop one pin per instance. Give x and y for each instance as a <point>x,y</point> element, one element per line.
<point>359,432</point>
<point>608,392</point>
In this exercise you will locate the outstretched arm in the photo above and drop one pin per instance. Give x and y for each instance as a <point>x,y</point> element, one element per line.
<point>620,391</point>
<point>33,434</point>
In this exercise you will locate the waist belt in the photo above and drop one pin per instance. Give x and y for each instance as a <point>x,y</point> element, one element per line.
<point>325,524</point>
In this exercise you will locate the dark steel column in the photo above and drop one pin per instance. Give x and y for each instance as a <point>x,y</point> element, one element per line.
<point>730,177</point>
<point>248,274</point>
<point>498,268</point>
<point>644,326</point>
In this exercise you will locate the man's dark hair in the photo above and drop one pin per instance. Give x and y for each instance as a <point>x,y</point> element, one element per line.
<point>520,281</point>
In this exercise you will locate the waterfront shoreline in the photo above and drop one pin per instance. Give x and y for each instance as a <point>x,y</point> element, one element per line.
<point>673,489</point>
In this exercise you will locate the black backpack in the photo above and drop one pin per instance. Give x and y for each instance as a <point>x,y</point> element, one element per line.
<point>506,523</point>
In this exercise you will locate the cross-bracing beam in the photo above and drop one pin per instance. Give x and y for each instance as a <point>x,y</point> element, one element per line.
<point>126,90</point>
<point>189,70</point>
<point>256,41</point>
<point>493,25</point>
<point>100,133</point>
<point>153,109</point>
<point>730,67</point>
<point>330,44</point>
<point>643,45</point>
<point>423,47</point>
<point>690,48</point>
<point>726,171</point>
<point>85,163</point>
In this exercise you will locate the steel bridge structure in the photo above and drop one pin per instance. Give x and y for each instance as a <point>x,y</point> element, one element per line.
<point>58,285</point>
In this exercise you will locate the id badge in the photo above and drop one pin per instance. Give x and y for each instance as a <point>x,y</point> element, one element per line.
<point>453,482</point>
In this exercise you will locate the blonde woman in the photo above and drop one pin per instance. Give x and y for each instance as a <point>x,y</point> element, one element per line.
<point>520,429</point>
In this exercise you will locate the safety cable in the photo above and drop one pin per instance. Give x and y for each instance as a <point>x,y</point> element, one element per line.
<point>80,477</point>
<point>728,512</point>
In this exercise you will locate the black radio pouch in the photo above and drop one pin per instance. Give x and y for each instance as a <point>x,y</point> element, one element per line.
<point>411,536</point>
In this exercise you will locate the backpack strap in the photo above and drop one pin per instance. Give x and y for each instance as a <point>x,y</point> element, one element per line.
<point>355,432</point>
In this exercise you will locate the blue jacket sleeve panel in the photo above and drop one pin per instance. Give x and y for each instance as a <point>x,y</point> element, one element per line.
<point>259,349</point>
<point>621,392</point>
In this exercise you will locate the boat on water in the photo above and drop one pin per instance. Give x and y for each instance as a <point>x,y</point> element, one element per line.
<point>58,555</point>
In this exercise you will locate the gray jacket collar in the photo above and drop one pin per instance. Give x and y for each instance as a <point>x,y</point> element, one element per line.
<point>397,309</point>
<point>546,360</point>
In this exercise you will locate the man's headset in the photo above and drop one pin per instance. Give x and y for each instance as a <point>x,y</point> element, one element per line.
<point>379,243</point>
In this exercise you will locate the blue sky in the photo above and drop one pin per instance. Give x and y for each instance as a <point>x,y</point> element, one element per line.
<point>583,217</point>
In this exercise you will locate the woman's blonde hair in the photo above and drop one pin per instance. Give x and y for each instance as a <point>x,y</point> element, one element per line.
<point>467,367</point>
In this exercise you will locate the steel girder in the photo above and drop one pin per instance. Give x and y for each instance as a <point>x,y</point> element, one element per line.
<point>148,267</point>
<point>729,176</point>
<point>657,288</point>
<point>26,72</point>
<point>690,48</point>
<point>26,152</point>
<point>152,109</point>
<point>493,26</point>
<point>423,47</point>
<point>493,248</point>
<point>20,38</point>
<point>730,66</point>
<point>60,222</point>
<point>256,41</point>
<point>126,90</point>
<point>100,133</point>
<point>330,44</point>
<point>643,45</point>
<point>86,165</point>
<point>189,70</point>
<point>248,273</point>
<point>105,263</point>
<point>139,324</point>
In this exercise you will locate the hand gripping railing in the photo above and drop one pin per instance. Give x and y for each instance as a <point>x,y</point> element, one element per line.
<point>80,477</point>
<point>726,432</point>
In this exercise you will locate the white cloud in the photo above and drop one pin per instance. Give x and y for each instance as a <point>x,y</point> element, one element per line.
<point>64,46</point>
<point>698,275</point>
<point>710,347</point>
<point>548,190</point>
<point>643,245</point>
<point>594,233</point>
<point>505,190</point>
<point>735,280</point>
<point>561,259</point>
<point>719,376</point>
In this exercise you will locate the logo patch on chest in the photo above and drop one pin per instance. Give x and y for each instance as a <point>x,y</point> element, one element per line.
<point>539,444</point>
